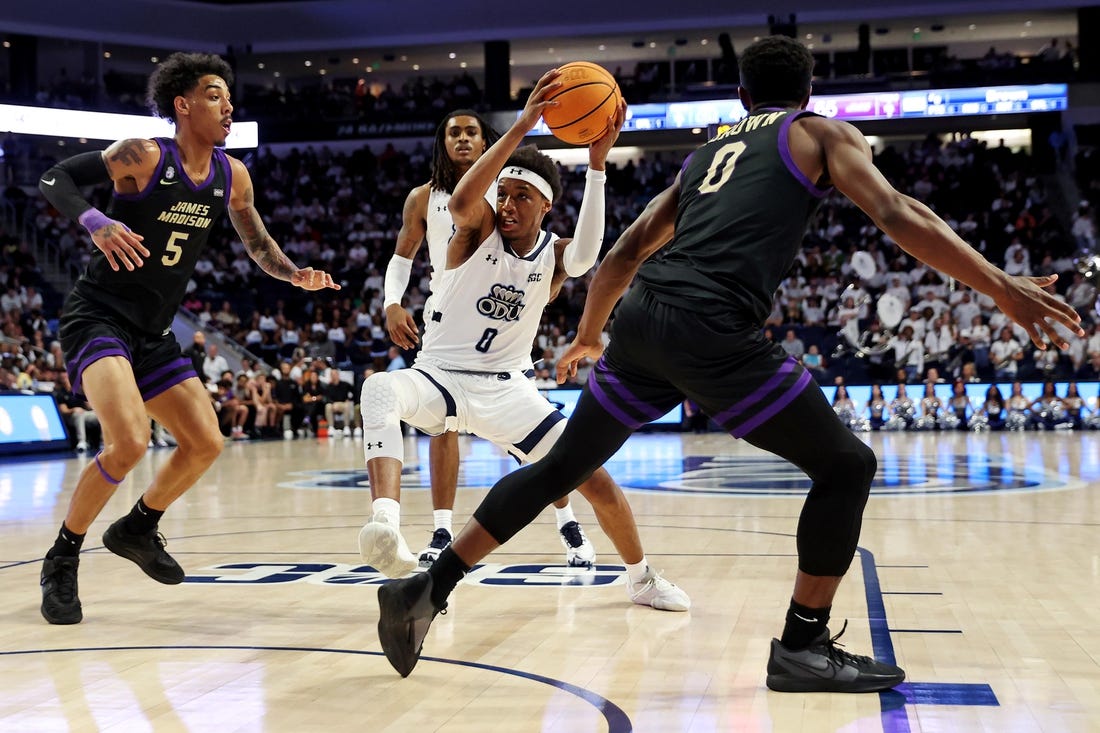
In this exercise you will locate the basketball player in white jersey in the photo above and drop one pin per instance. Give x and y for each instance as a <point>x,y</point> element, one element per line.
<point>459,141</point>
<point>472,373</point>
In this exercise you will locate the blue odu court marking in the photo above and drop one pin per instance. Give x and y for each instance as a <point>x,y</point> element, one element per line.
<point>743,476</point>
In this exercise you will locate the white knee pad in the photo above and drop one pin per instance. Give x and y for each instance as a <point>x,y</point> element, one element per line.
<point>382,412</point>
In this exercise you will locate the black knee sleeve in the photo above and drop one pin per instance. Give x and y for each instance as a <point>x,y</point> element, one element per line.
<point>841,468</point>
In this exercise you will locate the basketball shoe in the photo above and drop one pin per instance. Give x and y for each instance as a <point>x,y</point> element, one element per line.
<point>147,550</point>
<point>405,612</point>
<point>60,603</point>
<point>440,539</point>
<point>825,667</point>
<point>655,591</point>
<point>383,547</point>
<point>579,552</point>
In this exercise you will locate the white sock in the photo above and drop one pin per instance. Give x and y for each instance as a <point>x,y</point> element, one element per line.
<point>636,571</point>
<point>443,518</point>
<point>564,515</point>
<point>390,506</point>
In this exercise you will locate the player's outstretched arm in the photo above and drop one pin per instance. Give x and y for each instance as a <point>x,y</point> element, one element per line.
<point>583,250</point>
<point>921,233</point>
<point>652,230</point>
<point>129,164</point>
<point>399,324</point>
<point>260,245</point>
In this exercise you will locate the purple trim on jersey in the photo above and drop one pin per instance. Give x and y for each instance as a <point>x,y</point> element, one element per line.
<point>186,178</point>
<point>153,180</point>
<point>605,402</point>
<point>760,393</point>
<point>150,393</point>
<point>785,154</point>
<point>612,381</point>
<point>228,174</point>
<point>170,366</point>
<point>773,409</point>
<point>684,165</point>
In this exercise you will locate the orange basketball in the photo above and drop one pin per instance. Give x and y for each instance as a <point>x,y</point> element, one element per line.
<point>587,97</point>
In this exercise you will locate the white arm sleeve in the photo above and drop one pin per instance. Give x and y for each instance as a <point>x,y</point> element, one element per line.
<point>398,272</point>
<point>582,252</point>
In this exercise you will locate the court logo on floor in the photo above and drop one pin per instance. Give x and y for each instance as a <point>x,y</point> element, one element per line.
<point>730,475</point>
<point>897,475</point>
<point>325,573</point>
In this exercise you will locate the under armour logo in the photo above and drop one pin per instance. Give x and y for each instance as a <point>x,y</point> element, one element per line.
<point>373,445</point>
<point>515,172</point>
<point>491,259</point>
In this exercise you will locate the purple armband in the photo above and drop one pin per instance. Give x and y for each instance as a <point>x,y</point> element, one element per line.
<point>93,220</point>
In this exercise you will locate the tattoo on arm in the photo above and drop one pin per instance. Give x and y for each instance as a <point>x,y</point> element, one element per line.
<point>258,243</point>
<point>128,153</point>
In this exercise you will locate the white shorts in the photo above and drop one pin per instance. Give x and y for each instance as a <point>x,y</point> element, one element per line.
<point>506,409</point>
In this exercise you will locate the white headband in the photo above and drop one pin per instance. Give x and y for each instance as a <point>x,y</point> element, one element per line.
<point>528,176</point>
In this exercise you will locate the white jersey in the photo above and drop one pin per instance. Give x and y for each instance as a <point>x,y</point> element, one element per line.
<point>440,227</point>
<point>489,308</point>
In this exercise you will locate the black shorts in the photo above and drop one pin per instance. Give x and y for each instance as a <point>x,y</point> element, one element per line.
<point>89,333</point>
<point>660,354</point>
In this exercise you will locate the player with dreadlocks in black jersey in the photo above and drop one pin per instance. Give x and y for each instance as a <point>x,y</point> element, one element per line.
<point>116,327</point>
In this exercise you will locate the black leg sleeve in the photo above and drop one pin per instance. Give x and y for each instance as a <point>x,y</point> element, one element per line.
<point>590,438</point>
<point>841,466</point>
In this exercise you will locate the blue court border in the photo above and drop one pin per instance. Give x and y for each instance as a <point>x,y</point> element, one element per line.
<point>895,719</point>
<point>616,717</point>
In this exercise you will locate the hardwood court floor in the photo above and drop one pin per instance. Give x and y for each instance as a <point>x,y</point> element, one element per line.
<point>978,571</point>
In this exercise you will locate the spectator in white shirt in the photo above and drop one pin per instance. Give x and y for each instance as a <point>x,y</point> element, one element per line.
<point>1005,353</point>
<point>214,364</point>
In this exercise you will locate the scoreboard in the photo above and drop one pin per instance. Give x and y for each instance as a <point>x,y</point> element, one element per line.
<point>913,104</point>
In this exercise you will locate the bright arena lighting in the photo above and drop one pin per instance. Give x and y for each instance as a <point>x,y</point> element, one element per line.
<point>105,125</point>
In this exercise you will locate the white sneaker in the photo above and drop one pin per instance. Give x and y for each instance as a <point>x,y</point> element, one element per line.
<point>579,552</point>
<point>288,435</point>
<point>657,592</point>
<point>82,447</point>
<point>383,547</point>
<point>357,433</point>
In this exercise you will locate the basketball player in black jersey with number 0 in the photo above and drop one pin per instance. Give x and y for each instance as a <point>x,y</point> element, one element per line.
<point>723,236</point>
<point>116,325</point>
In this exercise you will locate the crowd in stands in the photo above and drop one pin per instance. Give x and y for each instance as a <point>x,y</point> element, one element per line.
<point>341,211</point>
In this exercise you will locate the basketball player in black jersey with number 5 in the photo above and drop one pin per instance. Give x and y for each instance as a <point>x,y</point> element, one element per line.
<point>723,236</point>
<point>116,325</point>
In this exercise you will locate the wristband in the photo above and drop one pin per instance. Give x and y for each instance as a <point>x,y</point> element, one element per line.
<point>93,220</point>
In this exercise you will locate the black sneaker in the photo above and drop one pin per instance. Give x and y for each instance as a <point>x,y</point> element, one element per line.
<point>147,550</point>
<point>405,612</point>
<point>60,604</point>
<point>440,539</point>
<point>825,667</point>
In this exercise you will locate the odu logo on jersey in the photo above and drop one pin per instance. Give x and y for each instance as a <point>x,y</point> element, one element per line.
<point>503,303</point>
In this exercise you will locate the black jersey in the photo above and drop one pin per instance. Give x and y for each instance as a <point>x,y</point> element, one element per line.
<point>743,210</point>
<point>175,216</point>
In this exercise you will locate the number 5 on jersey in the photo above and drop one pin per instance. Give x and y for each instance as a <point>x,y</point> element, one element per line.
<point>173,251</point>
